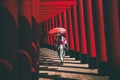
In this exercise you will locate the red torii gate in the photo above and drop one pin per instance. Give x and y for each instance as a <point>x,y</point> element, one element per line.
<point>53,8</point>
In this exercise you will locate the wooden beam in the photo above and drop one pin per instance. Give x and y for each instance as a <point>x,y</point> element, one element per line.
<point>54,7</point>
<point>57,3</point>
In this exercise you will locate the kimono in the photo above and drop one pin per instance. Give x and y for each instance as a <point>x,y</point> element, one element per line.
<point>61,40</point>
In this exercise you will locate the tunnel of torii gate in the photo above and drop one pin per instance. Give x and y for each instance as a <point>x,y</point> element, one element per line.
<point>92,31</point>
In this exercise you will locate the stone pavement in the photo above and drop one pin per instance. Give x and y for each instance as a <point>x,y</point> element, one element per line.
<point>50,68</point>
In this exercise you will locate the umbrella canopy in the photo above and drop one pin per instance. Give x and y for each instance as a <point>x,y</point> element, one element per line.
<point>57,30</point>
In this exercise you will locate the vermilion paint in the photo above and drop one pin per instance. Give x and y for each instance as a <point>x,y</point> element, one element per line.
<point>82,27</point>
<point>25,10</point>
<point>90,29</point>
<point>60,19</point>
<point>65,24</point>
<point>75,29</point>
<point>69,23</point>
<point>101,35</point>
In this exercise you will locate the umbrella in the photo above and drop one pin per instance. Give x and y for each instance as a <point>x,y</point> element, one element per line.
<point>57,30</point>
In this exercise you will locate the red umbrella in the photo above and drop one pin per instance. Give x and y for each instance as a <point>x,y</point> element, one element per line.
<point>57,30</point>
